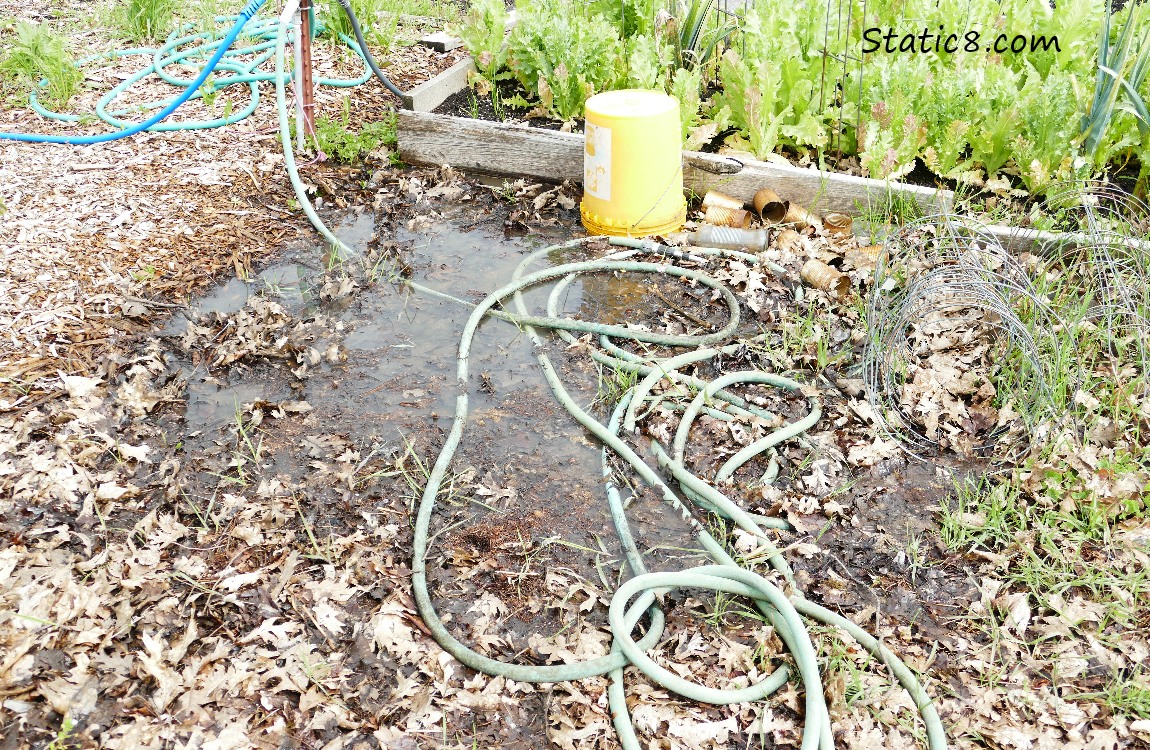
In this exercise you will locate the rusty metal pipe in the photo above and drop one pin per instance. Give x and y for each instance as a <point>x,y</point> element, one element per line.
<point>306,84</point>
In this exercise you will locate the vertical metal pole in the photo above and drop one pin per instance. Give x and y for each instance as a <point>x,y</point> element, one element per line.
<point>297,79</point>
<point>846,37</point>
<point>305,71</point>
<point>858,109</point>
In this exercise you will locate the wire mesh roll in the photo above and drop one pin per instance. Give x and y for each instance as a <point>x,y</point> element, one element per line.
<point>1106,242</point>
<point>942,273</point>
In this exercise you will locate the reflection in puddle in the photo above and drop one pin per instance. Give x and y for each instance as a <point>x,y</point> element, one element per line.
<point>396,382</point>
<point>211,404</point>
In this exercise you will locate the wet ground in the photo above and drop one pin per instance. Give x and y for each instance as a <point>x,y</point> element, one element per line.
<point>355,406</point>
<point>527,495</point>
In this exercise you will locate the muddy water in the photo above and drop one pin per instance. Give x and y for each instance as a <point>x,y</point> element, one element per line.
<point>539,473</point>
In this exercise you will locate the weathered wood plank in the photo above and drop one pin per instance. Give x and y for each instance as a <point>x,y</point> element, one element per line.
<point>540,154</point>
<point>497,148</point>
<point>490,147</point>
<point>818,191</point>
<point>430,94</point>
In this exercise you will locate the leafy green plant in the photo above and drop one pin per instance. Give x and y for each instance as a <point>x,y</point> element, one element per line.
<point>950,117</point>
<point>40,54</point>
<point>61,741</point>
<point>968,115</point>
<point>685,86</point>
<point>1042,151</point>
<point>335,138</point>
<point>699,32</point>
<point>771,86</point>
<point>645,68</point>
<point>893,132</point>
<point>773,104</point>
<point>630,18</point>
<point>946,147</point>
<point>664,36</point>
<point>378,20</point>
<point>1115,78</point>
<point>147,20</point>
<point>482,31</point>
<point>566,54</point>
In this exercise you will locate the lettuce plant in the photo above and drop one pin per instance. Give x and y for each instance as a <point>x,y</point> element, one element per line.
<point>482,32</point>
<point>999,121</point>
<point>645,64</point>
<point>889,144</point>
<point>564,53</point>
<point>781,82</point>
<point>772,104</point>
<point>1044,151</point>
<point>630,17</point>
<point>771,93</point>
<point>685,86</point>
<point>893,134</point>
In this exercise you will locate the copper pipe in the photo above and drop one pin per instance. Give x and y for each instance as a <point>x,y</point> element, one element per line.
<point>305,74</point>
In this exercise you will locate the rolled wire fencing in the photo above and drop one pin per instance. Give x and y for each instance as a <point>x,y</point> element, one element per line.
<point>1042,329</point>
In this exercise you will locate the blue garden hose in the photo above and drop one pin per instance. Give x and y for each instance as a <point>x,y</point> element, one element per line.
<point>245,15</point>
<point>241,63</point>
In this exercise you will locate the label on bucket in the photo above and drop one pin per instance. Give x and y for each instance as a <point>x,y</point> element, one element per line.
<point>597,162</point>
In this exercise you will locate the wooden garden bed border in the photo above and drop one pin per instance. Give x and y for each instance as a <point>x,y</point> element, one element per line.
<point>430,94</point>
<point>548,155</point>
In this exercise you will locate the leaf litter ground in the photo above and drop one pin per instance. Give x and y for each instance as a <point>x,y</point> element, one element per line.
<point>206,520</point>
<point>208,535</point>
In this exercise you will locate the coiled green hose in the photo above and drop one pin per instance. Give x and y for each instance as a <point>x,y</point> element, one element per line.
<point>638,595</point>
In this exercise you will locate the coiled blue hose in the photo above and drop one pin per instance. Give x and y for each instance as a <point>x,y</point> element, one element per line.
<point>245,15</point>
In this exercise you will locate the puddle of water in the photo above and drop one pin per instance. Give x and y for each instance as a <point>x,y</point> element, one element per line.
<point>397,383</point>
<point>212,404</point>
<point>292,284</point>
<point>230,297</point>
<point>287,282</point>
<point>356,231</point>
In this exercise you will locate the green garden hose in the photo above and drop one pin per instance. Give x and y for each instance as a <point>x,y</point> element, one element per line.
<point>638,595</point>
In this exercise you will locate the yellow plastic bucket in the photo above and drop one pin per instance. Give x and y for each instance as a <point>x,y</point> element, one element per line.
<point>632,165</point>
